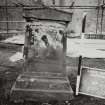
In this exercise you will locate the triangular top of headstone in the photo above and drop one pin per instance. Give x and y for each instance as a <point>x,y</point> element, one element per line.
<point>46,13</point>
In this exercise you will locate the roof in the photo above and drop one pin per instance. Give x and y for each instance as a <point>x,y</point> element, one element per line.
<point>47,14</point>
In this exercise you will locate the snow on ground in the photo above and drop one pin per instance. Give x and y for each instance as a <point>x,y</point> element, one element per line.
<point>92,48</point>
<point>17,56</point>
<point>15,39</point>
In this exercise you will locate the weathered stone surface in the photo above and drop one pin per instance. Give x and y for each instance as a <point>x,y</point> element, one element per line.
<point>42,87</point>
<point>92,82</point>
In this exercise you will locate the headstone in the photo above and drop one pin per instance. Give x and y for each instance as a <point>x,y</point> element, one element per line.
<point>44,78</point>
<point>92,82</point>
<point>47,51</point>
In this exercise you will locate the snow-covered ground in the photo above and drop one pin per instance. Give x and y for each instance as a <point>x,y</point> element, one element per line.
<point>15,39</point>
<point>92,48</point>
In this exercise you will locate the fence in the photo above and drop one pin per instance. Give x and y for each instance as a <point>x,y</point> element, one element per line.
<point>12,25</point>
<point>94,36</point>
<point>11,28</point>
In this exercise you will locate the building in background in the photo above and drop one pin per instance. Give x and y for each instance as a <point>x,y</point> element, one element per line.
<point>11,11</point>
<point>94,21</point>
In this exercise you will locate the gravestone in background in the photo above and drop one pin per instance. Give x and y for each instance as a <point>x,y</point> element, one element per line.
<point>92,82</point>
